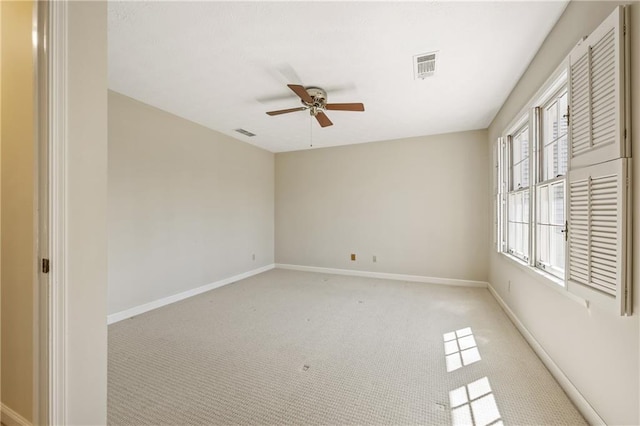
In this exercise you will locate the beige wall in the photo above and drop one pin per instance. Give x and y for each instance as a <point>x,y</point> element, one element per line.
<point>86,209</point>
<point>420,205</point>
<point>188,206</point>
<point>17,202</point>
<point>596,349</point>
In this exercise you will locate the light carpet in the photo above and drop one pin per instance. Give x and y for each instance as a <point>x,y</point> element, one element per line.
<point>288,347</point>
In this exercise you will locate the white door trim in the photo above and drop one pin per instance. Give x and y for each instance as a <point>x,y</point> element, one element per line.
<point>57,210</point>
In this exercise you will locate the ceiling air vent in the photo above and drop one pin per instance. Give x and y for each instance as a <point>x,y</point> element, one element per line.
<point>245,132</point>
<point>424,65</point>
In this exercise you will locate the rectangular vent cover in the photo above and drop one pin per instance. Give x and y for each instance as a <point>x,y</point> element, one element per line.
<point>245,132</point>
<point>424,65</point>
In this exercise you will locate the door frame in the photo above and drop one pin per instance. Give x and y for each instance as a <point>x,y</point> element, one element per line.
<point>57,19</point>
<point>50,391</point>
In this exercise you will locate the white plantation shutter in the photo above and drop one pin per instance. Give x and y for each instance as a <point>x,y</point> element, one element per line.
<point>599,242</point>
<point>596,88</point>
<point>598,229</point>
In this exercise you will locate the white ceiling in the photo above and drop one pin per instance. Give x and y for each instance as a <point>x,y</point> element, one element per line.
<point>221,64</point>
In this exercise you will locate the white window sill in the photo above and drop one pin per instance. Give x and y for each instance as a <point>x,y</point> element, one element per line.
<point>547,279</point>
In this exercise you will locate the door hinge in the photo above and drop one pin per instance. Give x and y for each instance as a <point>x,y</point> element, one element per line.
<point>45,266</point>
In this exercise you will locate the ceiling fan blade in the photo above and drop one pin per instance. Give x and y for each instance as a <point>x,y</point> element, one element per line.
<point>345,107</point>
<point>274,98</point>
<point>323,119</point>
<point>301,92</point>
<point>285,111</point>
<point>289,73</point>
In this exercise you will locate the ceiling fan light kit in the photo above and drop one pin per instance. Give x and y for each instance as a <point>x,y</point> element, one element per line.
<point>314,99</point>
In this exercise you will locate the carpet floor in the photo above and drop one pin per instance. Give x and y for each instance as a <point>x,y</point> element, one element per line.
<point>287,347</point>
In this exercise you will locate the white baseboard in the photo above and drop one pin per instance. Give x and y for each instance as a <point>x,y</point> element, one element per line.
<point>385,275</point>
<point>11,418</point>
<point>574,394</point>
<point>140,309</point>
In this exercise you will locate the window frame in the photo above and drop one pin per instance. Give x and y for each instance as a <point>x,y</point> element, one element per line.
<point>516,127</point>
<point>527,116</point>
<point>501,209</point>
<point>553,93</point>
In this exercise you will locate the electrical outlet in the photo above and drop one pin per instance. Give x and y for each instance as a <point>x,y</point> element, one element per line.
<point>353,256</point>
<point>375,258</point>
<point>253,256</point>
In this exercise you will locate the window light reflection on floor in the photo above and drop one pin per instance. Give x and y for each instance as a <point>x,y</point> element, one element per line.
<point>474,405</point>
<point>460,349</point>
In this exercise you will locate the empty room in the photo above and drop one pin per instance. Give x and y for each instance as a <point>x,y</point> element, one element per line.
<point>333,213</point>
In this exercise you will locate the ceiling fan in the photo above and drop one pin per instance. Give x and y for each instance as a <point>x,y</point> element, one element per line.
<point>315,100</point>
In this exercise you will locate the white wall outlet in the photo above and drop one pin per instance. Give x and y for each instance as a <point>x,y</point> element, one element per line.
<point>375,258</point>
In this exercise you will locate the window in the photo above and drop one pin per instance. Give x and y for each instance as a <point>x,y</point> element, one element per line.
<point>518,196</point>
<point>551,144</point>
<point>562,194</point>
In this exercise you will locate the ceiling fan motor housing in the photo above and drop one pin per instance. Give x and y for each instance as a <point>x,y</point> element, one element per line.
<point>319,97</point>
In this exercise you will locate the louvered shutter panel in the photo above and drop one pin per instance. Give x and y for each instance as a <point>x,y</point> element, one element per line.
<point>580,123</point>
<point>598,230</point>
<point>579,236</point>
<point>598,189</point>
<point>596,88</point>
